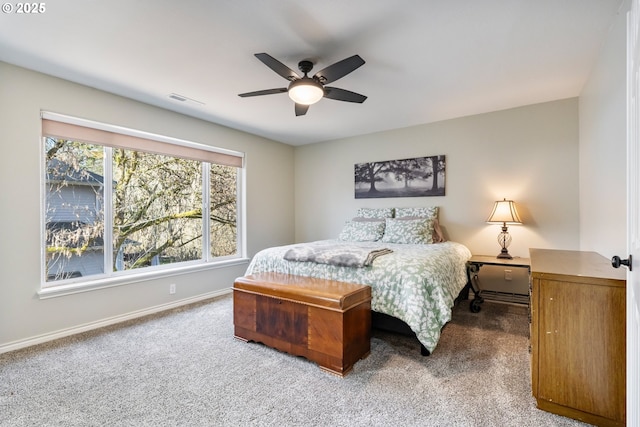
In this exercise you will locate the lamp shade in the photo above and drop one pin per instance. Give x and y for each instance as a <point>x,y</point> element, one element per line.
<point>305,91</point>
<point>504,211</point>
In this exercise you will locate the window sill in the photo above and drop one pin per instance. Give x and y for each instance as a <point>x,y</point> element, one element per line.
<point>75,288</point>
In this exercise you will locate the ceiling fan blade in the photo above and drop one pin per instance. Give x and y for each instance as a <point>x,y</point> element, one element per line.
<point>343,95</point>
<point>264,92</point>
<point>277,66</point>
<point>339,69</point>
<point>301,109</point>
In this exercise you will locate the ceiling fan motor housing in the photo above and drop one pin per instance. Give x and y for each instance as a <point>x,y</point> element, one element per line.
<point>305,66</point>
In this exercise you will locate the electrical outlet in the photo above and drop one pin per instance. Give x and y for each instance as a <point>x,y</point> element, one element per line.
<point>172,288</point>
<point>507,275</point>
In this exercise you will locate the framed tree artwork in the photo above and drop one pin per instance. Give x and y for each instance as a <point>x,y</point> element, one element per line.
<point>417,177</point>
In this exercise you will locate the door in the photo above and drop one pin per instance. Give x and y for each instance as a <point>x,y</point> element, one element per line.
<point>633,214</point>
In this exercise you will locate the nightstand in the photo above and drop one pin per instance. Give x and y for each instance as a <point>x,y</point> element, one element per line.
<point>474,265</point>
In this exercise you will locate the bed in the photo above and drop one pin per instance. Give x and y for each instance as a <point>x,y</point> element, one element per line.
<point>414,276</point>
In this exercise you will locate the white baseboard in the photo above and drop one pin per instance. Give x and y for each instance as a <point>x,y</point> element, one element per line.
<point>16,345</point>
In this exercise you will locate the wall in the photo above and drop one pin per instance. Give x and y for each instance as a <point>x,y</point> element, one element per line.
<point>24,317</point>
<point>603,148</point>
<point>528,154</point>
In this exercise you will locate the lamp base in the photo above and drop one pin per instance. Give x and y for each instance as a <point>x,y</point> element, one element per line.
<point>504,255</point>
<point>504,239</point>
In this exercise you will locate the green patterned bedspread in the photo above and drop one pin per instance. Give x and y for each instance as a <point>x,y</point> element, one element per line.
<point>416,283</point>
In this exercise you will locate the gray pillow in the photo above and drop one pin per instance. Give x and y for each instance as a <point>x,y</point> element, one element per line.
<point>408,231</point>
<point>375,213</point>
<point>362,231</point>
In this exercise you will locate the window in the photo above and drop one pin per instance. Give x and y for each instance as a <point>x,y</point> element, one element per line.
<point>118,201</point>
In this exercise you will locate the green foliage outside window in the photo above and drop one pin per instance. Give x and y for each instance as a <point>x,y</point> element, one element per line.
<point>156,205</point>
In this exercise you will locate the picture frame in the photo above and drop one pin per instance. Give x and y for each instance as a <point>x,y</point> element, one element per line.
<point>415,177</point>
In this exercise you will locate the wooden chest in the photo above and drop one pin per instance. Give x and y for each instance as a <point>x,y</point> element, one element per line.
<point>325,321</point>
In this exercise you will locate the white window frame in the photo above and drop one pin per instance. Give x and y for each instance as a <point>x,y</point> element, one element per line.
<point>83,284</point>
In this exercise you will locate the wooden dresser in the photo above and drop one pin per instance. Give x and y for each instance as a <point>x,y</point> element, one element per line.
<point>578,336</point>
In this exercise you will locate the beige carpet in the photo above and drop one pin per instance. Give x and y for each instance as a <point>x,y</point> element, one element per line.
<point>184,368</point>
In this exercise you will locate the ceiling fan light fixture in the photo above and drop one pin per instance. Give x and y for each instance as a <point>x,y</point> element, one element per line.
<point>305,91</point>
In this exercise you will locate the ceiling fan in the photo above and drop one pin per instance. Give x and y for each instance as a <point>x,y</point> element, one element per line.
<point>306,90</point>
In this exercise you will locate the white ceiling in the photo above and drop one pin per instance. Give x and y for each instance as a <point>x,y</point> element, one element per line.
<point>426,60</point>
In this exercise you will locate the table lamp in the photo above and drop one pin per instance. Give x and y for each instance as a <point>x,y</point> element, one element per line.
<point>504,211</point>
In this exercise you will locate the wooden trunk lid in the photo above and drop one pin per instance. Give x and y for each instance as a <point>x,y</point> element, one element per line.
<point>324,293</point>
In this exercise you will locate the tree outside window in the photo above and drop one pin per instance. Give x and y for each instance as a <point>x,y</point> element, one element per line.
<point>151,209</point>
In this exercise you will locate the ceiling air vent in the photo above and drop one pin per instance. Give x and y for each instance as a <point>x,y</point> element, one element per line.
<point>182,98</point>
